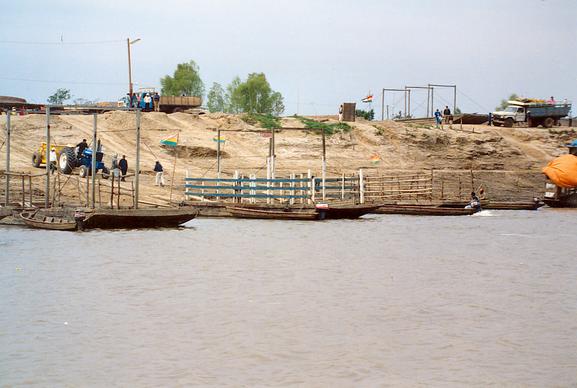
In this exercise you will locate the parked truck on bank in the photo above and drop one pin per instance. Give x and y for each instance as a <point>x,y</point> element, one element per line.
<point>531,114</point>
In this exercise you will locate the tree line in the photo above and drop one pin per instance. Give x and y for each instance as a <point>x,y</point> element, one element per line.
<point>252,95</point>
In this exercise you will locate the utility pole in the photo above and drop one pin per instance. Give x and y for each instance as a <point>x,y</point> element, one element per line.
<point>128,43</point>
<point>218,154</point>
<point>137,172</point>
<point>7,193</point>
<point>47,193</point>
<point>93,167</point>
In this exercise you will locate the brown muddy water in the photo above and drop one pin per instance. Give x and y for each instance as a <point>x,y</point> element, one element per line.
<point>383,301</point>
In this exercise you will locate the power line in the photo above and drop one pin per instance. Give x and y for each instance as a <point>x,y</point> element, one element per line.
<point>62,82</point>
<point>59,42</point>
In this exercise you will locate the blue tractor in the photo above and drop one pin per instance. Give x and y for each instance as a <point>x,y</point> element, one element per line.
<point>69,160</point>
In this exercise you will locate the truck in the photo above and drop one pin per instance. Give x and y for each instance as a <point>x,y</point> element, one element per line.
<point>531,114</point>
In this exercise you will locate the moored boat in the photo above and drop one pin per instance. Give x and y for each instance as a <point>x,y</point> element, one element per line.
<point>39,221</point>
<point>420,210</point>
<point>273,214</point>
<point>137,218</point>
<point>499,205</point>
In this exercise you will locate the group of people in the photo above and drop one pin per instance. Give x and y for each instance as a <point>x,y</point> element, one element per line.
<point>146,101</point>
<point>446,116</point>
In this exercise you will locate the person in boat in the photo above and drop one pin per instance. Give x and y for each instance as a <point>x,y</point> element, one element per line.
<point>475,202</point>
<point>81,147</point>
<point>123,165</point>
<point>159,174</point>
<point>53,159</point>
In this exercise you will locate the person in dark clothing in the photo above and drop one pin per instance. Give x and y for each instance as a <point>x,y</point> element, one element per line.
<point>159,174</point>
<point>447,115</point>
<point>123,165</point>
<point>81,147</point>
<point>156,100</point>
<point>475,202</point>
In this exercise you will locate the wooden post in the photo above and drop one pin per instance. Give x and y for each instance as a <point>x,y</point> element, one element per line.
<point>23,192</point>
<point>7,174</point>
<point>93,167</point>
<point>137,172</point>
<point>272,156</point>
<point>100,195</point>
<point>173,166</point>
<point>343,187</point>
<point>30,188</point>
<point>218,154</point>
<point>310,196</point>
<point>87,191</point>
<point>361,186</point>
<point>47,193</point>
<point>132,192</point>
<point>119,193</point>
<point>324,166</point>
<point>112,191</point>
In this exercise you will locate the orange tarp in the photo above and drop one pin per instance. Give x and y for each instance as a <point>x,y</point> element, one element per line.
<point>562,171</point>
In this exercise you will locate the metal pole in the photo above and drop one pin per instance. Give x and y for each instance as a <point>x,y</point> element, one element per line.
<point>409,93</point>
<point>405,112</point>
<point>324,163</point>
<point>428,98</point>
<point>47,193</point>
<point>137,172</point>
<point>383,106</point>
<point>129,69</point>
<point>455,100</point>
<point>432,101</point>
<point>93,167</point>
<point>7,193</point>
<point>218,154</point>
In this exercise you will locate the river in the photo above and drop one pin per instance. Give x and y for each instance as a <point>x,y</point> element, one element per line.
<point>381,301</point>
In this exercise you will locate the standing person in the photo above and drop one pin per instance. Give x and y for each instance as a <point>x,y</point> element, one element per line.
<point>123,165</point>
<point>447,115</point>
<point>147,102</point>
<point>53,160</point>
<point>341,110</point>
<point>156,99</point>
<point>81,147</point>
<point>438,119</point>
<point>114,166</point>
<point>551,100</point>
<point>133,101</point>
<point>159,174</point>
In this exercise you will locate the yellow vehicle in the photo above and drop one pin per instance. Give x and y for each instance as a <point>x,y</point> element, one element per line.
<point>39,156</point>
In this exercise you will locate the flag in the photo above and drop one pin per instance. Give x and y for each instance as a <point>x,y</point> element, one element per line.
<point>368,98</point>
<point>375,158</point>
<point>170,141</point>
<point>216,139</point>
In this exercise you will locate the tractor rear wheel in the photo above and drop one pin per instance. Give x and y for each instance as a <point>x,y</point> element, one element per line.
<point>548,122</point>
<point>105,173</point>
<point>67,161</point>
<point>36,159</point>
<point>508,122</point>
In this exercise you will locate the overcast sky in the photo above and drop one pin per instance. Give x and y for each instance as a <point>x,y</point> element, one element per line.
<point>317,53</point>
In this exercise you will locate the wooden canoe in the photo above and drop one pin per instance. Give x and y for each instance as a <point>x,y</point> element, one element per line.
<point>34,220</point>
<point>417,210</point>
<point>138,218</point>
<point>499,205</point>
<point>336,212</point>
<point>280,214</point>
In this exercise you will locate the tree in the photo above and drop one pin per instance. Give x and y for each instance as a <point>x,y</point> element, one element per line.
<point>59,96</point>
<point>185,81</point>
<point>254,96</point>
<point>504,103</point>
<point>216,98</point>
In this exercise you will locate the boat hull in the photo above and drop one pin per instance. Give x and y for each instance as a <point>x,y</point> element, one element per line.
<point>49,223</point>
<point>242,212</point>
<point>424,210</point>
<point>138,218</point>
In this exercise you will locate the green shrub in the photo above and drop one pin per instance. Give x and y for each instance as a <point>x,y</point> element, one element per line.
<point>319,127</point>
<point>265,121</point>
